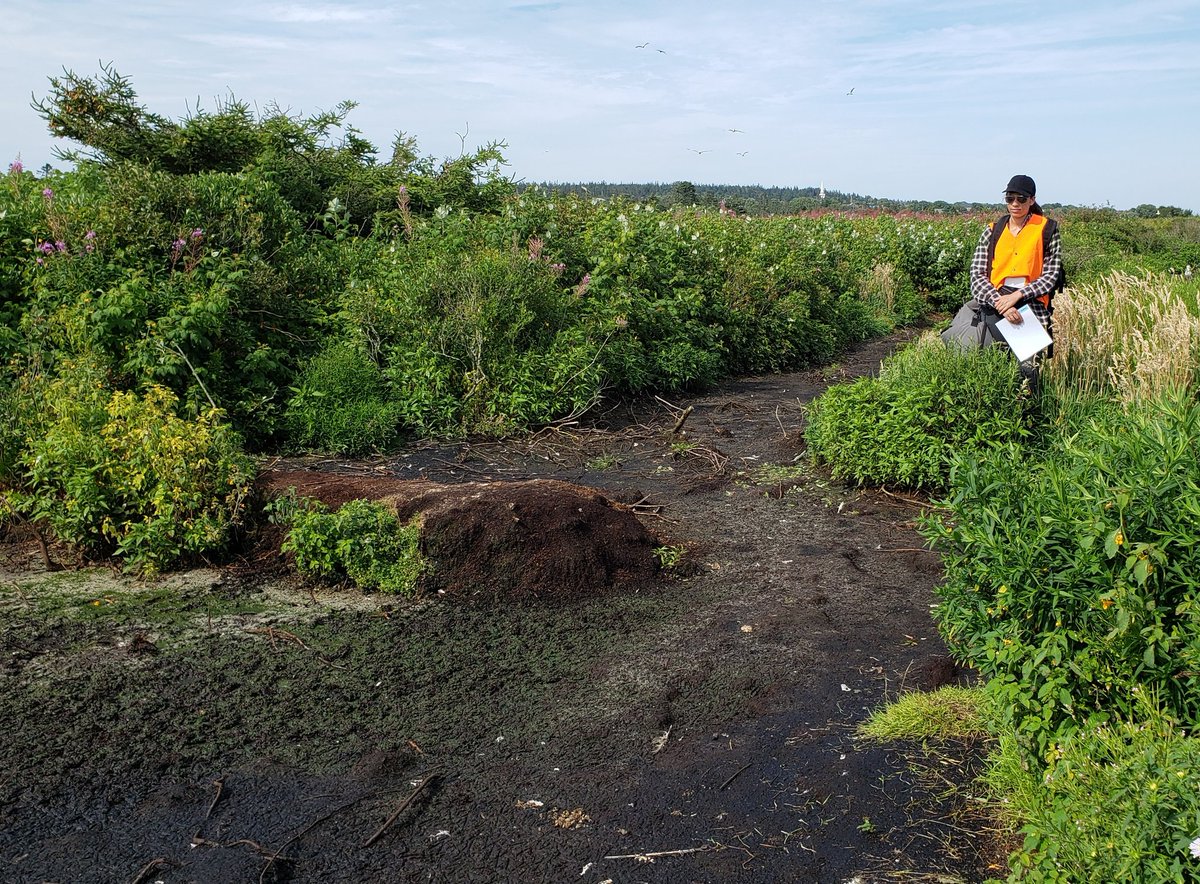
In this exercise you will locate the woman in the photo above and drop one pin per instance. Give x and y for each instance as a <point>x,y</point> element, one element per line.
<point>1021,263</point>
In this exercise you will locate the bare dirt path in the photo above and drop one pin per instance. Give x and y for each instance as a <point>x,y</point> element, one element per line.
<point>235,725</point>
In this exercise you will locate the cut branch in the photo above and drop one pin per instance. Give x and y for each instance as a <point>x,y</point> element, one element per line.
<point>399,810</point>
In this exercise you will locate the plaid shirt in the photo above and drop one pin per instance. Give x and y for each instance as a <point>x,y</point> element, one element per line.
<point>982,291</point>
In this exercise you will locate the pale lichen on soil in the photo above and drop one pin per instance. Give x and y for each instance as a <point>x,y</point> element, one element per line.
<point>237,724</point>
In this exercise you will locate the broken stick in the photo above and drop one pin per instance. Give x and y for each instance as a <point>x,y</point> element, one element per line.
<point>679,423</point>
<point>219,782</point>
<point>399,810</point>
<point>649,857</point>
<point>150,867</point>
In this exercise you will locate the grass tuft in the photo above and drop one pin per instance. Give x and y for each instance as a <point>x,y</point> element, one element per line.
<point>945,714</point>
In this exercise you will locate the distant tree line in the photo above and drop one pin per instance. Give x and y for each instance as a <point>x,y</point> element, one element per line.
<point>753,199</point>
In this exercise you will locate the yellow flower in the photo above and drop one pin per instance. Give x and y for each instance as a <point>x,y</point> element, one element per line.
<point>1119,539</point>
<point>1106,603</point>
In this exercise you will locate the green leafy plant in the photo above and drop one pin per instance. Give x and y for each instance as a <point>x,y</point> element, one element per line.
<point>670,556</point>
<point>929,404</point>
<point>1071,573</point>
<point>125,474</point>
<point>1140,771</point>
<point>341,405</point>
<point>363,541</point>
<point>603,462</point>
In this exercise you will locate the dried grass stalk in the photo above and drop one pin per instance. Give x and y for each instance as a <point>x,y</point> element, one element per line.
<point>1125,336</point>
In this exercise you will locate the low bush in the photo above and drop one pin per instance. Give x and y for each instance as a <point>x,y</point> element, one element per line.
<point>363,541</point>
<point>929,404</point>
<point>124,474</point>
<point>1072,576</point>
<point>340,405</point>
<point>1139,773</point>
<point>474,339</point>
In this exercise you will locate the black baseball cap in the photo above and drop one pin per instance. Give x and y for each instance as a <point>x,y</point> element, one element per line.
<point>1021,184</point>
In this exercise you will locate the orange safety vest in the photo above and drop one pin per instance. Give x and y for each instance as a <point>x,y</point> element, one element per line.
<point>1019,255</point>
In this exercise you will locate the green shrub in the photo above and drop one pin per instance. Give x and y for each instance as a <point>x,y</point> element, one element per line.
<point>362,541</point>
<point>928,404</point>
<point>476,340</point>
<point>1117,803</point>
<point>340,405</point>
<point>124,474</point>
<point>1073,575</point>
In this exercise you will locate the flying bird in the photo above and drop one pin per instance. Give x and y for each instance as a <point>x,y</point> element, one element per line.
<point>663,51</point>
<point>642,45</point>
<point>742,153</point>
<point>706,150</point>
<point>743,131</point>
<point>851,92</point>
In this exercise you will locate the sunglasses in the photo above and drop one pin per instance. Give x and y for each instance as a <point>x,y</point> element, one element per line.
<point>1019,198</point>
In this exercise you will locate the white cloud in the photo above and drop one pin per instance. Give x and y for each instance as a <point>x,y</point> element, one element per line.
<point>323,14</point>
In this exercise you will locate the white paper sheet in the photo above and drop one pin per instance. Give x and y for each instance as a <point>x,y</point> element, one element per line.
<point>1027,339</point>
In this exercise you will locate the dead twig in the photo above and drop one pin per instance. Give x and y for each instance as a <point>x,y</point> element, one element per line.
<point>465,468</point>
<point>679,423</point>
<point>262,876</point>
<point>649,857</point>
<point>674,409</point>
<point>150,867</point>
<point>399,810</point>
<point>219,782</point>
<point>271,632</point>
<point>735,775</point>
<point>198,841</point>
<point>10,510</point>
<point>924,504</point>
<point>640,507</point>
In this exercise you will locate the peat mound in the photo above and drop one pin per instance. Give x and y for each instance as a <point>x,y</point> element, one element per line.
<point>531,539</point>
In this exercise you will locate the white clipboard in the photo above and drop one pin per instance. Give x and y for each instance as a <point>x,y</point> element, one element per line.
<point>1028,338</point>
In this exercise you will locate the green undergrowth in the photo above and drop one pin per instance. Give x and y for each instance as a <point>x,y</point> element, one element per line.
<point>929,404</point>
<point>1142,773</point>
<point>361,541</point>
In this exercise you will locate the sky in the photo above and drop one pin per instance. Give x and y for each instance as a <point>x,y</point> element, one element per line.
<point>942,100</point>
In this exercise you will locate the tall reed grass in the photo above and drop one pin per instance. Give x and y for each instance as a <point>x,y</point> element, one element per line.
<point>1127,337</point>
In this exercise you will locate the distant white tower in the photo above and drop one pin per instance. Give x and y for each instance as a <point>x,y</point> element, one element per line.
<point>821,195</point>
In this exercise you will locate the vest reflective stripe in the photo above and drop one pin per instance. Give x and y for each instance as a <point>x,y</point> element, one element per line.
<point>1019,255</point>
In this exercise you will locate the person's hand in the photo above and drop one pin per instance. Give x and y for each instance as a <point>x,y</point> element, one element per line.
<point>1007,303</point>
